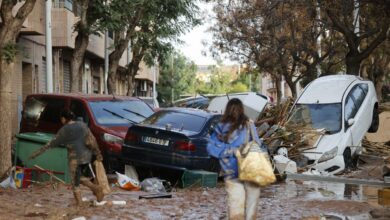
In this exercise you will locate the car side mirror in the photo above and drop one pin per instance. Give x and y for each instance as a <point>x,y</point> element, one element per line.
<point>351,121</point>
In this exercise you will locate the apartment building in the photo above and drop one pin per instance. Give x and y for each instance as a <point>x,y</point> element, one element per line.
<point>30,66</point>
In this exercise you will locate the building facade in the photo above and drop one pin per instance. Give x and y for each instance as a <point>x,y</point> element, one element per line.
<point>268,87</point>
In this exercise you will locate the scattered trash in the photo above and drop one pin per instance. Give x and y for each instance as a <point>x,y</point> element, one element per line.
<point>156,196</point>
<point>38,205</point>
<point>119,202</point>
<point>8,182</point>
<point>36,214</point>
<point>131,172</point>
<point>316,172</point>
<point>80,218</point>
<point>115,202</point>
<point>96,203</point>
<point>127,183</point>
<point>153,185</point>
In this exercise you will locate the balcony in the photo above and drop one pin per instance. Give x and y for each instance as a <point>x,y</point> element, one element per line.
<point>35,22</point>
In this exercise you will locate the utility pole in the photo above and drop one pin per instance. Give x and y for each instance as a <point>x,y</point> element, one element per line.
<point>172,92</point>
<point>154,79</point>
<point>49,59</point>
<point>105,62</point>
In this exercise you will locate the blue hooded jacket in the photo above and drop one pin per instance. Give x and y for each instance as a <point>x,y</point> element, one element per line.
<point>224,151</point>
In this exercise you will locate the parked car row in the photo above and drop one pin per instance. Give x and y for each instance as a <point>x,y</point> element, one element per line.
<point>132,132</point>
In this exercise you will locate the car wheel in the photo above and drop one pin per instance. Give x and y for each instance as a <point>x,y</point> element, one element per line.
<point>375,121</point>
<point>347,158</point>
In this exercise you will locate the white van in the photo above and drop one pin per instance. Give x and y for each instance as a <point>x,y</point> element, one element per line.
<point>345,107</point>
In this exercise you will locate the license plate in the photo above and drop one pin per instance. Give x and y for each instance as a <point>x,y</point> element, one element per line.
<point>153,140</point>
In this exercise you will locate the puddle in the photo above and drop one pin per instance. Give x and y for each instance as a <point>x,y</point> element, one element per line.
<point>335,197</point>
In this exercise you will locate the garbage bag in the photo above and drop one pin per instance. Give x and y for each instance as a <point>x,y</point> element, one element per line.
<point>8,182</point>
<point>101,177</point>
<point>127,183</point>
<point>154,185</point>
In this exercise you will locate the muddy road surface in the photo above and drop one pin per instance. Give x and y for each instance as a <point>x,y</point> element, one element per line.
<point>284,200</point>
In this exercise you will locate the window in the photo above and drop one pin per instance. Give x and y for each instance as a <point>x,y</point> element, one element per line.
<point>358,96</point>
<point>364,86</point>
<point>78,109</point>
<point>120,112</point>
<point>52,111</point>
<point>177,120</point>
<point>350,109</point>
<point>317,116</point>
<point>354,100</point>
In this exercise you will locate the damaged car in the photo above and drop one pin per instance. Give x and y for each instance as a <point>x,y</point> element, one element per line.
<point>341,108</point>
<point>173,138</point>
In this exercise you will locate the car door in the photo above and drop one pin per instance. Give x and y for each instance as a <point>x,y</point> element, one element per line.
<point>356,109</point>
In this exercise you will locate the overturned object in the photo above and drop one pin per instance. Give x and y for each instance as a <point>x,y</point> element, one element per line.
<point>284,165</point>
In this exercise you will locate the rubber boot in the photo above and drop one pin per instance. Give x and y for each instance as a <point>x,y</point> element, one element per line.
<point>252,192</point>
<point>235,199</point>
<point>77,196</point>
<point>96,189</point>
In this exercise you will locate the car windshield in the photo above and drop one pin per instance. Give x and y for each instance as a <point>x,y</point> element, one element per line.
<point>120,112</point>
<point>177,120</point>
<point>317,116</point>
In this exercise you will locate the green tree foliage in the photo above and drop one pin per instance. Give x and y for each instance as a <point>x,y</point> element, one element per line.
<point>238,87</point>
<point>177,77</point>
<point>150,26</point>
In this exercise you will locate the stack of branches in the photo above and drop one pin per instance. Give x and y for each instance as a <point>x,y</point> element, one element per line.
<point>275,133</point>
<point>376,148</point>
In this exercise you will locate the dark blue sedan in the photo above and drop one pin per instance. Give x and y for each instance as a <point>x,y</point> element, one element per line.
<point>174,138</point>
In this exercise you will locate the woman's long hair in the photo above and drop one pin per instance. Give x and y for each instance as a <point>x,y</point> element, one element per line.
<point>234,115</point>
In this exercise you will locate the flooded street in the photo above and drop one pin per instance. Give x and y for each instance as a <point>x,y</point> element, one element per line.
<point>287,200</point>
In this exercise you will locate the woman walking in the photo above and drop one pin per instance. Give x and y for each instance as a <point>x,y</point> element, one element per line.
<point>228,136</point>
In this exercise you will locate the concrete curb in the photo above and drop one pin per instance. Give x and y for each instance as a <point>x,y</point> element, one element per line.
<point>295,176</point>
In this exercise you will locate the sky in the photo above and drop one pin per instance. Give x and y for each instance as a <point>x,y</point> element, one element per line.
<point>193,47</point>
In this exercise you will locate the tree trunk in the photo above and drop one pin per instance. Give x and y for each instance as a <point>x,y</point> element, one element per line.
<point>12,21</point>
<point>81,44</point>
<point>352,64</point>
<point>6,96</point>
<point>111,81</point>
<point>130,85</point>
<point>378,87</point>
<point>292,86</point>
<point>114,58</point>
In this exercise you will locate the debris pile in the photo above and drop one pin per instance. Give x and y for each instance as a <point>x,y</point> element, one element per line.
<point>291,141</point>
<point>376,148</point>
<point>275,133</point>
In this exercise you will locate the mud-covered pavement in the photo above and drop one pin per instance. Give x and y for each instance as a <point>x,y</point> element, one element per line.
<point>286,200</point>
<point>283,200</point>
